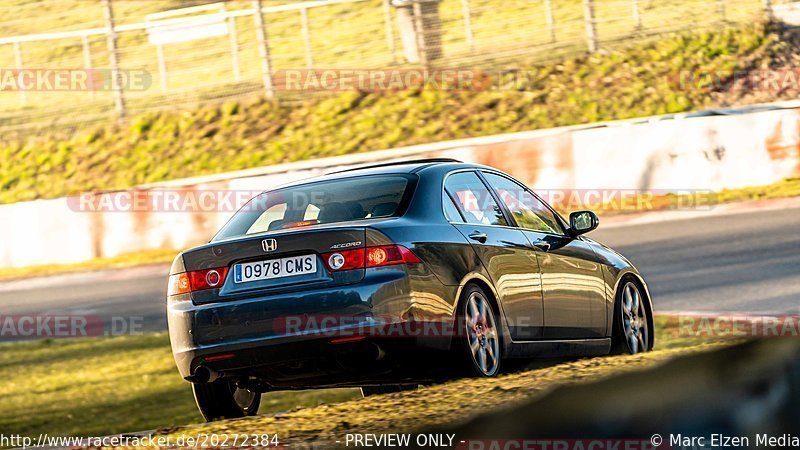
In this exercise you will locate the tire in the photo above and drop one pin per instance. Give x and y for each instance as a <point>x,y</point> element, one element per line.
<point>478,339</point>
<point>223,400</point>
<point>368,391</point>
<point>631,331</point>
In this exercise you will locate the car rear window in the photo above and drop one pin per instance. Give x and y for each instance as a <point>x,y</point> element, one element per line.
<point>344,200</point>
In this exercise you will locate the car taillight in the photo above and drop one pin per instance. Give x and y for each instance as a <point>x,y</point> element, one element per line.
<point>345,260</point>
<point>178,284</point>
<point>196,280</point>
<point>384,255</point>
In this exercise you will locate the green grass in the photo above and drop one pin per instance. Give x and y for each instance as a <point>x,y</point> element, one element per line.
<point>126,260</point>
<point>429,407</point>
<point>786,188</point>
<point>446,403</point>
<point>637,81</point>
<point>98,386</point>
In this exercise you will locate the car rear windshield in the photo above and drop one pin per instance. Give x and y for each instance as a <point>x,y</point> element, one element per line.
<point>344,200</point>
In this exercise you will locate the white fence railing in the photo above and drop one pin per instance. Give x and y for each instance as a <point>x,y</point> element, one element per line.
<point>344,34</point>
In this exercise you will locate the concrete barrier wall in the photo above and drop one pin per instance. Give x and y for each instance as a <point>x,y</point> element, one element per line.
<point>708,153</point>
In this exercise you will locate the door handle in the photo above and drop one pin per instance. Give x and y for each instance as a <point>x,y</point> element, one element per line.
<point>542,245</point>
<point>478,236</point>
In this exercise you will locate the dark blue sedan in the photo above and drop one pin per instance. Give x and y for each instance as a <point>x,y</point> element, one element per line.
<point>388,276</point>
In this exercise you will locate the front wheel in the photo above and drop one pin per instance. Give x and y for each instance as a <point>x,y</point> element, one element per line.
<point>632,332</point>
<point>479,336</point>
<point>222,399</point>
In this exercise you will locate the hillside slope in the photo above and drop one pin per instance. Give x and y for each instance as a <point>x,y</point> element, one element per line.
<point>345,35</point>
<point>637,81</point>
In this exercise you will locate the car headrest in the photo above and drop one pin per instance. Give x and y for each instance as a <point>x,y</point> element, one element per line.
<point>334,212</point>
<point>356,210</point>
<point>384,209</point>
<point>275,225</point>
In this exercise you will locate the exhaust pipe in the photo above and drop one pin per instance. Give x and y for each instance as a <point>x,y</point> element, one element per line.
<point>203,374</point>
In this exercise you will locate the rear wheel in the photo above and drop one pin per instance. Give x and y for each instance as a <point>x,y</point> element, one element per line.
<point>368,391</point>
<point>631,320</point>
<point>222,399</point>
<point>478,337</point>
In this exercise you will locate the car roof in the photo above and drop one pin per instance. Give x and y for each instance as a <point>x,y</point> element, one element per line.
<point>402,166</point>
<point>395,167</point>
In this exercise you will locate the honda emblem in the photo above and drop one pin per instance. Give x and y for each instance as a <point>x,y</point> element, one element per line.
<point>269,245</point>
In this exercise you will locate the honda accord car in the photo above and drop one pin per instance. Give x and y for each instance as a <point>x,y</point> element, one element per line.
<point>393,275</point>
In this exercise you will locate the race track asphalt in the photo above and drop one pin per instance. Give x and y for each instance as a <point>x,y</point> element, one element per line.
<point>745,262</point>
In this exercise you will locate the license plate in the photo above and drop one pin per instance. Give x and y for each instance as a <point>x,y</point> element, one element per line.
<point>275,268</point>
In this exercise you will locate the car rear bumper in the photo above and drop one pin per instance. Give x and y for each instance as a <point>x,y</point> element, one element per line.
<point>314,336</point>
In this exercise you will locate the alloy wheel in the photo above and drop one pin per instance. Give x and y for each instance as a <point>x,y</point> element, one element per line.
<point>482,336</point>
<point>634,319</point>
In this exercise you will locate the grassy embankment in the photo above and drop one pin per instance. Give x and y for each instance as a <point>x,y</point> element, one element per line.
<point>99,386</point>
<point>636,81</point>
<point>341,36</point>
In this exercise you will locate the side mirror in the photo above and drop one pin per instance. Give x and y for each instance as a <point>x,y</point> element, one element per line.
<point>581,222</point>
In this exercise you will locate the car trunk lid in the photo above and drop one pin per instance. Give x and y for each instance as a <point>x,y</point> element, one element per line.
<point>275,262</point>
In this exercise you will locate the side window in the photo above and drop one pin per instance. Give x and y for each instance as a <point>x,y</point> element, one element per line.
<point>450,211</point>
<point>528,211</point>
<point>475,200</point>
